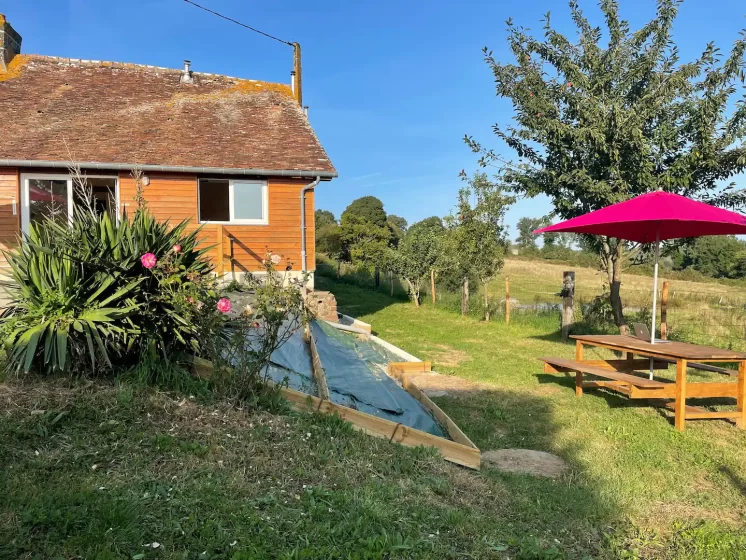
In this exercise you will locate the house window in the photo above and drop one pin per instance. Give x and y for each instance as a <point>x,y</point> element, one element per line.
<point>55,196</point>
<point>233,201</point>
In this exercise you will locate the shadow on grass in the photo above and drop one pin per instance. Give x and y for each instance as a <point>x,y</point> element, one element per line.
<point>573,504</point>
<point>356,301</point>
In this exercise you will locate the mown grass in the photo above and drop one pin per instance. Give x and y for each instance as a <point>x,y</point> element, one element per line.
<point>99,470</point>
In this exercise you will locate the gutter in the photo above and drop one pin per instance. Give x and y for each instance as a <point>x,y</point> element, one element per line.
<point>320,175</point>
<point>303,191</point>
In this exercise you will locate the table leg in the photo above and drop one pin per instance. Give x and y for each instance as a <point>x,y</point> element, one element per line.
<point>741,399</point>
<point>680,407</point>
<point>579,374</point>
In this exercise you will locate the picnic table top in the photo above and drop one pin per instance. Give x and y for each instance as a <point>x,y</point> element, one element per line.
<point>663,348</point>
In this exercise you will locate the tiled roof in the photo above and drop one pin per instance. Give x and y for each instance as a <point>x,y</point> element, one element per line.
<point>125,113</point>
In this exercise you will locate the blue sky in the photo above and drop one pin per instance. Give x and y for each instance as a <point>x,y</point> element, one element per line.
<point>392,86</point>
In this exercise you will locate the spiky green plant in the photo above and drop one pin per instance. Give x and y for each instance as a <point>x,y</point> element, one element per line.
<point>81,297</point>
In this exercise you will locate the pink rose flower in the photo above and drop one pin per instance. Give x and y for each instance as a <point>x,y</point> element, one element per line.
<point>148,260</point>
<point>176,248</point>
<point>224,305</point>
<point>276,259</point>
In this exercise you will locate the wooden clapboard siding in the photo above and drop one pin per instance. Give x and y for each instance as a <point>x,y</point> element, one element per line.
<point>9,224</point>
<point>174,197</point>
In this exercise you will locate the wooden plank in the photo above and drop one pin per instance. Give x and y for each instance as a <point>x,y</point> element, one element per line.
<point>318,370</point>
<point>699,413</point>
<point>600,372</point>
<point>672,349</point>
<point>680,405</point>
<point>453,451</point>
<point>578,373</point>
<point>617,365</point>
<point>451,427</point>
<point>614,385</point>
<point>741,396</point>
<point>409,367</point>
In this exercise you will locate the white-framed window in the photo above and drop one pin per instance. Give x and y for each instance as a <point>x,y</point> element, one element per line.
<point>233,201</point>
<point>54,195</point>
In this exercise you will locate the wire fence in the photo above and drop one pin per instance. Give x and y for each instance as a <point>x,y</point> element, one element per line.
<point>711,314</point>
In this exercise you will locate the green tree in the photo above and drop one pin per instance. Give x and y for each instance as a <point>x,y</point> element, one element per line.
<point>598,123</point>
<point>526,239</point>
<point>365,233</point>
<point>716,256</point>
<point>323,218</point>
<point>417,254</point>
<point>476,240</point>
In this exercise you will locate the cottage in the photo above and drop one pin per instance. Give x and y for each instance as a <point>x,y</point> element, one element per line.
<point>235,156</point>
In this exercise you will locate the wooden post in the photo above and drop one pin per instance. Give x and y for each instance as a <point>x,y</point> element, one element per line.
<point>465,296</point>
<point>741,397</point>
<point>391,282</point>
<point>680,405</point>
<point>507,300</point>
<point>579,374</point>
<point>220,266</point>
<point>664,306</point>
<point>432,284</point>
<point>568,302</point>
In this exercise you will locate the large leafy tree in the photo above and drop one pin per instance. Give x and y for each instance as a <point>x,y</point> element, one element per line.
<point>476,239</point>
<point>323,218</point>
<point>365,233</point>
<point>719,257</point>
<point>615,114</point>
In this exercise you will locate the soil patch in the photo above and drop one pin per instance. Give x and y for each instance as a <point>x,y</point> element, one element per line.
<point>446,356</point>
<point>525,461</point>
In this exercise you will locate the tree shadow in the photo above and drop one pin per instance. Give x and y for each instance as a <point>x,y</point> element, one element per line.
<point>571,507</point>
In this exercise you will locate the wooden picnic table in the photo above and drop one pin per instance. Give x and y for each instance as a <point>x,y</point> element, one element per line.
<point>662,353</point>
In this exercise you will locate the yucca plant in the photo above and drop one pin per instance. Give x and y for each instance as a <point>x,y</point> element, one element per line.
<point>61,312</point>
<point>85,295</point>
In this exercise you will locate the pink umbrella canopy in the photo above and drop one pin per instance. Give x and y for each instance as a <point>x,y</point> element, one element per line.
<point>655,216</point>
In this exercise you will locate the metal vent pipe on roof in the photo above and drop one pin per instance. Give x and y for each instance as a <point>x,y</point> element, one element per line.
<point>186,76</point>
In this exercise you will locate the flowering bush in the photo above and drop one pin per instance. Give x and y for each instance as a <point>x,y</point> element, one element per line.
<point>101,294</point>
<point>276,311</point>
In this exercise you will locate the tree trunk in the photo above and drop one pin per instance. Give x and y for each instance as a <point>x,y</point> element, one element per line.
<point>465,296</point>
<point>339,267</point>
<point>612,258</point>
<point>415,293</point>
<point>486,302</point>
<point>377,275</point>
<point>391,282</point>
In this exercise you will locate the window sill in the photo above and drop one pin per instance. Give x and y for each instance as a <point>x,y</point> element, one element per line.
<point>237,223</point>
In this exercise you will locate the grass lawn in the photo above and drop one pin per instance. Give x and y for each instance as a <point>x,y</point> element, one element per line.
<point>100,470</point>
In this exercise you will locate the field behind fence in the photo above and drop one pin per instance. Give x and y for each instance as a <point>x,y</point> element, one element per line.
<point>701,312</point>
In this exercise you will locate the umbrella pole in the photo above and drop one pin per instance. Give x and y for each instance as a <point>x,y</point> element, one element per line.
<point>655,297</point>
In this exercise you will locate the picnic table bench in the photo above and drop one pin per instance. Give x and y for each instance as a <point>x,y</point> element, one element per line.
<point>619,375</point>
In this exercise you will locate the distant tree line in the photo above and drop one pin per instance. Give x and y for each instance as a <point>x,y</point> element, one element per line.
<point>466,246</point>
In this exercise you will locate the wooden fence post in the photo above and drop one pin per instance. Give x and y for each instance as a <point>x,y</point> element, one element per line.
<point>432,284</point>
<point>568,302</point>
<point>507,300</point>
<point>664,311</point>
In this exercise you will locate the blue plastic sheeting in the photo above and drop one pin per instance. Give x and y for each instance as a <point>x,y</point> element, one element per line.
<point>355,373</point>
<point>292,362</point>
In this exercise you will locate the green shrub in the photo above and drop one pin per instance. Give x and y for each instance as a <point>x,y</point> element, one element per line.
<point>84,298</point>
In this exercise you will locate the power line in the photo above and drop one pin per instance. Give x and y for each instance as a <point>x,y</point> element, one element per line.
<point>239,23</point>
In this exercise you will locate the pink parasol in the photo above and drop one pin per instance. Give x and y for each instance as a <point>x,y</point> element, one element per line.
<point>652,217</point>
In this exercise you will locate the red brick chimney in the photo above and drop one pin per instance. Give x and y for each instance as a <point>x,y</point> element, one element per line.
<point>10,43</point>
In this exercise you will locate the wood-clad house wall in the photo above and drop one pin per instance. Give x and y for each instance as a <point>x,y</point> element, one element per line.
<point>10,225</point>
<point>174,197</point>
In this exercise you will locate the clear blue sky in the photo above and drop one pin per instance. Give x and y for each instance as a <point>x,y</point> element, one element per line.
<point>392,86</point>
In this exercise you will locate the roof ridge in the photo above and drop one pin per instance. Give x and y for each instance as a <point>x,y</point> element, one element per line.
<point>134,65</point>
